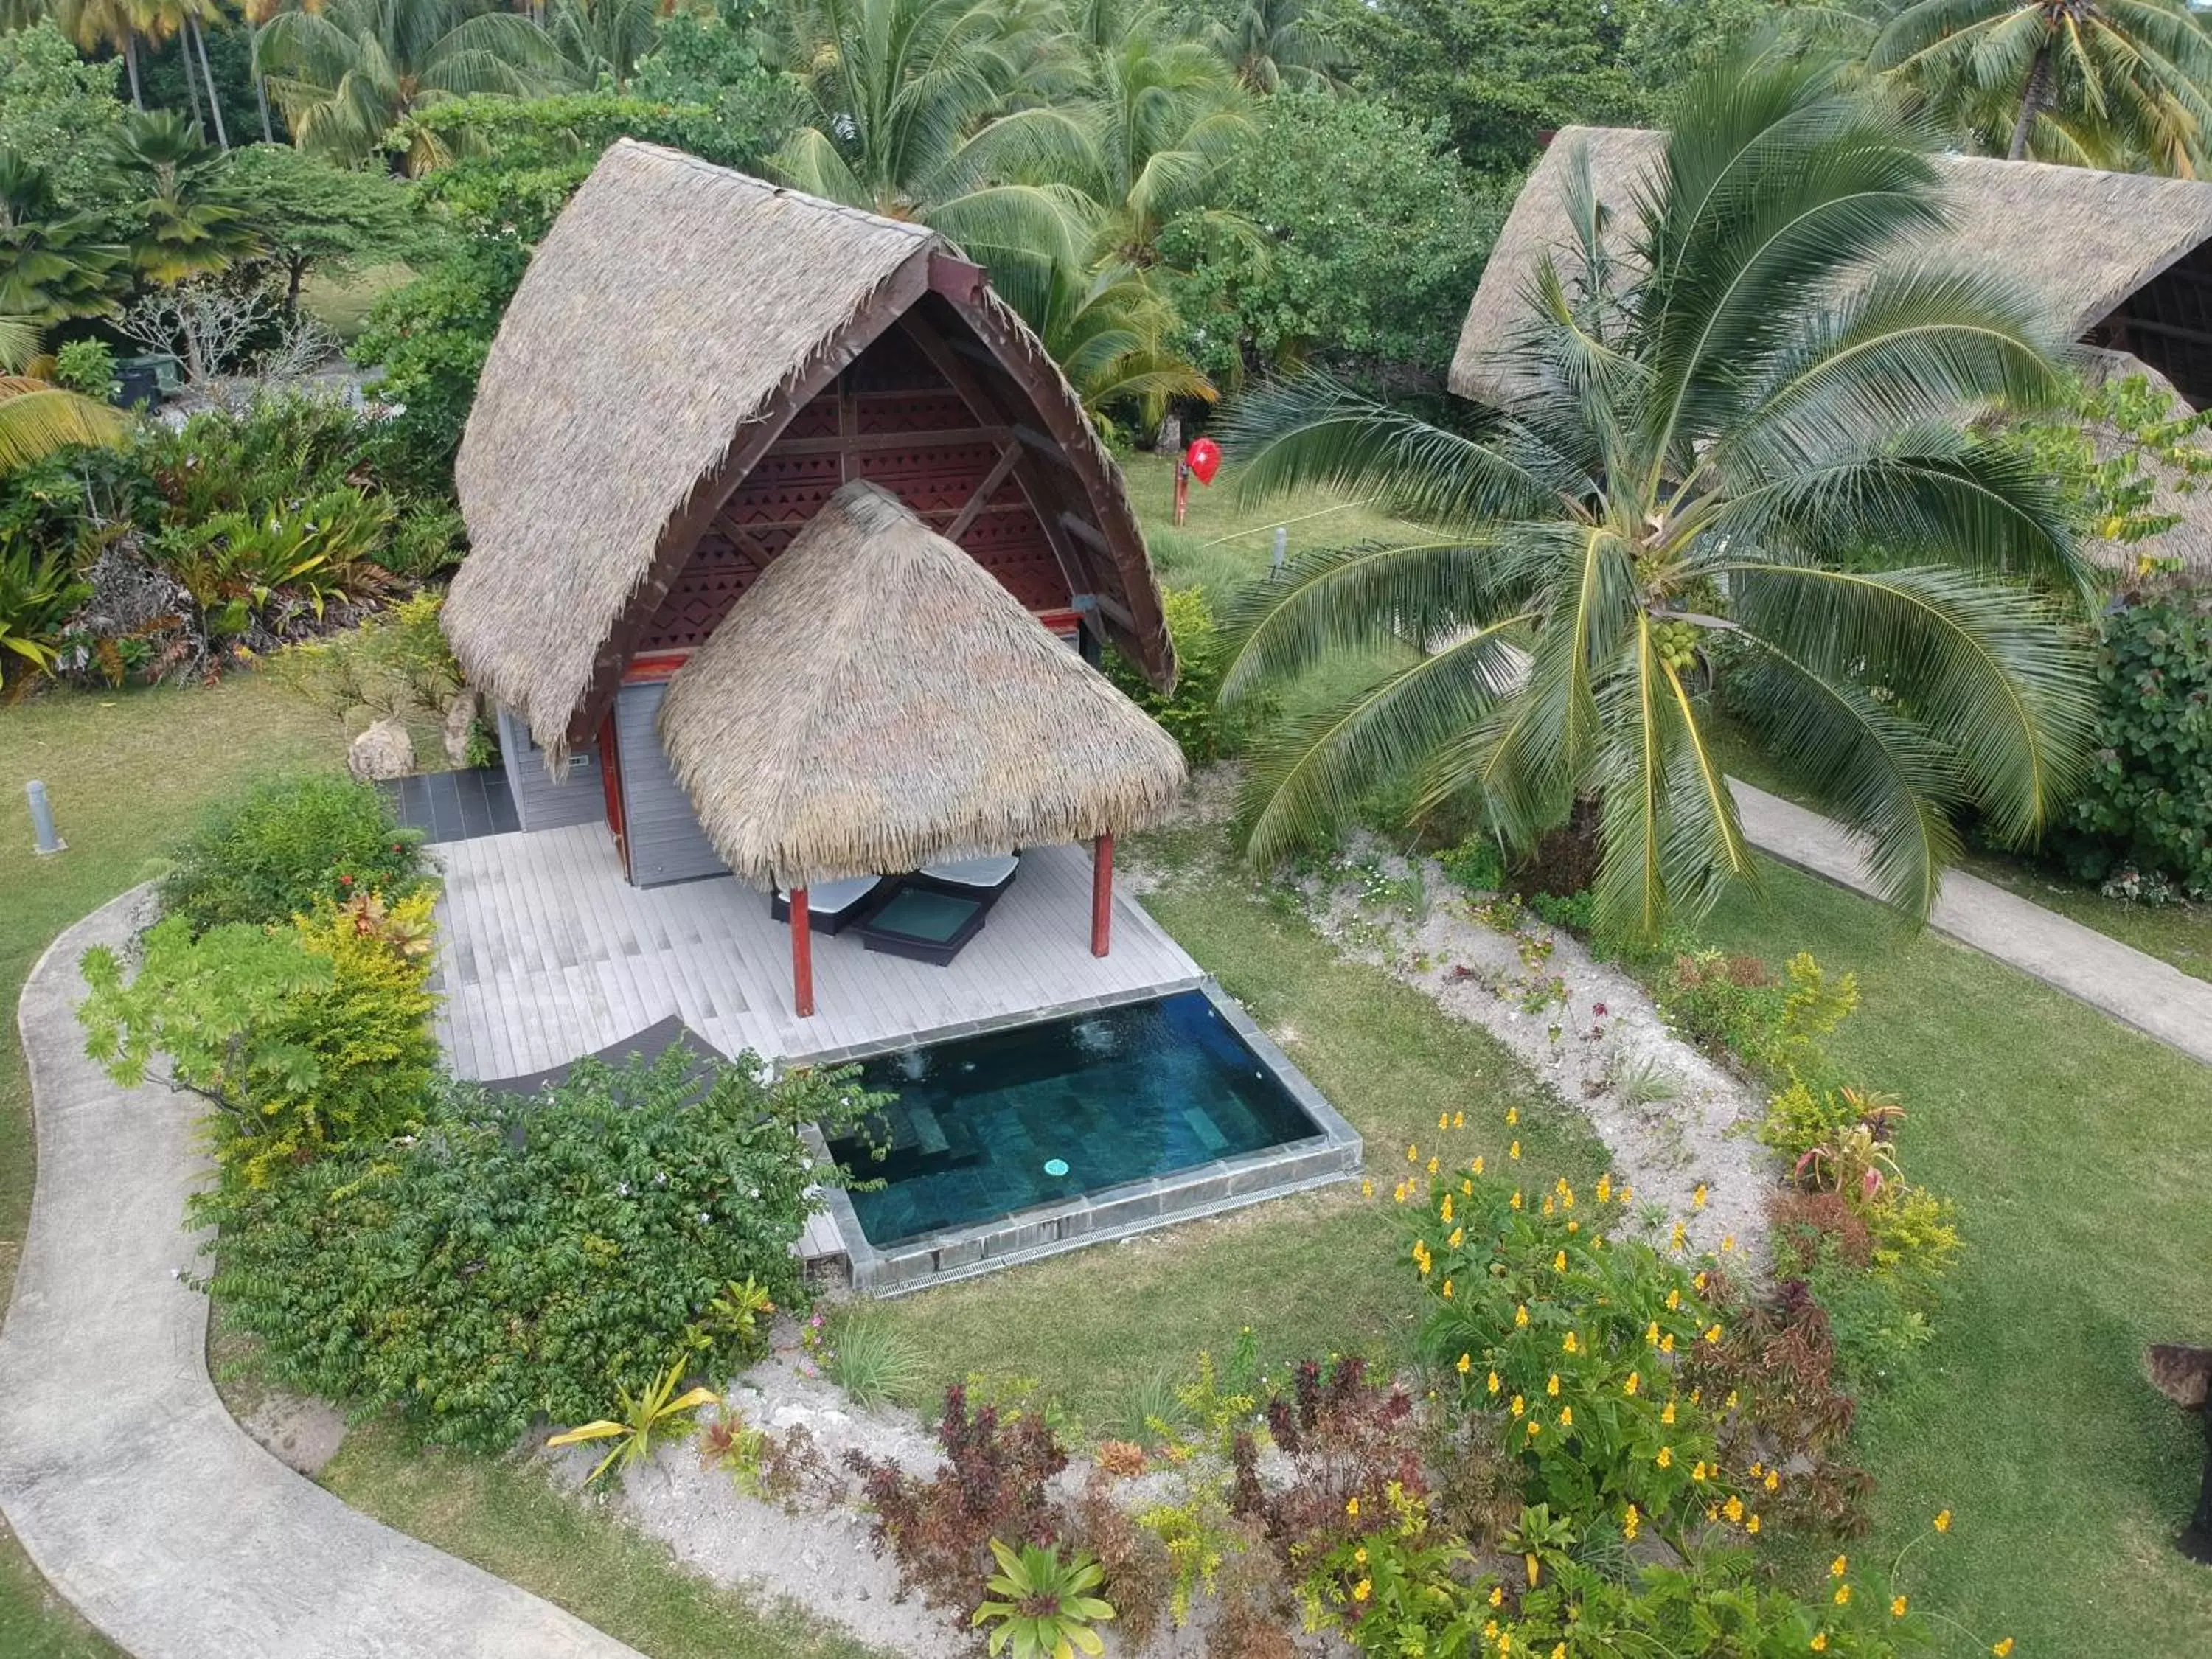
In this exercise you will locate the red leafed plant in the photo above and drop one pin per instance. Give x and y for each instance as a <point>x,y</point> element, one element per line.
<point>992,1485</point>
<point>1349,1439</point>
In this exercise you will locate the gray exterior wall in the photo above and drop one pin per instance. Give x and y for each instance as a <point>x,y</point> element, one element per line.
<point>666,842</point>
<point>540,803</point>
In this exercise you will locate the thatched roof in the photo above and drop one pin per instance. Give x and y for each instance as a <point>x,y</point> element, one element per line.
<point>671,323</point>
<point>877,701</point>
<point>2082,239</point>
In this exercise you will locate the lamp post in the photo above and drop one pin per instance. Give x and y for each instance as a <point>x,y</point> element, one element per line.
<point>44,842</point>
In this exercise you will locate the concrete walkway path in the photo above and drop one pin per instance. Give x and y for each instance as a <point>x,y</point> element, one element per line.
<point>130,1487</point>
<point>2154,997</point>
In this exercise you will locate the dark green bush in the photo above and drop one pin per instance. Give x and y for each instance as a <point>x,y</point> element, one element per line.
<point>523,1258</point>
<point>2143,820</point>
<point>1192,713</point>
<point>272,852</point>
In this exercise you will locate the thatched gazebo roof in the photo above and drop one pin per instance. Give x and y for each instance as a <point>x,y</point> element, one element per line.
<point>671,323</point>
<point>2081,240</point>
<point>877,701</point>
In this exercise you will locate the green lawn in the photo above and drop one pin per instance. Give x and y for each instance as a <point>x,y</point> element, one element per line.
<point>1311,1275</point>
<point>342,304</point>
<point>1226,540</point>
<point>2075,1150</point>
<point>128,774</point>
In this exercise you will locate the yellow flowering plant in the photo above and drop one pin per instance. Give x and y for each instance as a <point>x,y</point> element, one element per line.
<point>1408,1588</point>
<point>1591,1333</point>
<point>1720,1598</point>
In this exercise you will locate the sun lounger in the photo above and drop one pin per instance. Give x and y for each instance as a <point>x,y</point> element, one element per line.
<point>834,906</point>
<point>923,923</point>
<point>981,880</point>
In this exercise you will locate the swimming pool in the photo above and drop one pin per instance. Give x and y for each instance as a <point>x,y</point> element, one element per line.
<point>1091,1123</point>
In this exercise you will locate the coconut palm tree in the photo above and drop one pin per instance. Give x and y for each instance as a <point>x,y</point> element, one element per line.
<point>903,101</point>
<point>1743,443</point>
<point>604,37</point>
<point>1144,124</point>
<point>1272,44</point>
<point>2086,82</point>
<point>349,73</point>
<point>1109,331</point>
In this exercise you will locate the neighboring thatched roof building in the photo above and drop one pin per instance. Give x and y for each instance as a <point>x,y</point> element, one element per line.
<point>2124,259</point>
<point>694,362</point>
<point>877,701</point>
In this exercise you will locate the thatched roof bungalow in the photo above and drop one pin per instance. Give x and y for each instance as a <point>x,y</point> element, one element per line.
<point>2124,259</point>
<point>702,372</point>
<point>694,362</point>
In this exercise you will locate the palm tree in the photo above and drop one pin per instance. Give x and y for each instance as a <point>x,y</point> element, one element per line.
<point>1109,331</point>
<point>1145,125</point>
<point>186,228</point>
<point>604,37</point>
<point>903,107</point>
<point>1743,438</point>
<point>2086,82</point>
<point>347,74</point>
<point>1272,44</point>
<point>37,418</point>
<point>53,265</point>
<point>95,23</point>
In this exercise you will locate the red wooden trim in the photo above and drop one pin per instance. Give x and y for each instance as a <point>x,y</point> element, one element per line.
<point>1102,896</point>
<point>956,279</point>
<point>1059,622</point>
<point>802,956</point>
<point>648,668</point>
<point>1022,359</point>
<point>680,536</point>
<point>611,785</point>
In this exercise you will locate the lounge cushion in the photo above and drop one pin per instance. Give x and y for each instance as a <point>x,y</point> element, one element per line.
<point>975,872</point>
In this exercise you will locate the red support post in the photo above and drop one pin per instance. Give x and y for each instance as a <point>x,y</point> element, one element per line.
<point>1102,895</point>
<point>802,956</point>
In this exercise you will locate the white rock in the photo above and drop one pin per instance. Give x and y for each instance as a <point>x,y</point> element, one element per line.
<point>385,750</point>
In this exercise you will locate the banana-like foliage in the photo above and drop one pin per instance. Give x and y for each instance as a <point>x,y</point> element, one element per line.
<point>2090,82</point>
<point>37,418</point>
<point>347,72</point>
<point>1741,437</point>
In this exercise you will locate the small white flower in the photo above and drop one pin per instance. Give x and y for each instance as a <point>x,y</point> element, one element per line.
<point>622,1189</point>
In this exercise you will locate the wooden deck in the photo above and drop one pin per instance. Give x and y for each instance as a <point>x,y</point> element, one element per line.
<point>547,953</point>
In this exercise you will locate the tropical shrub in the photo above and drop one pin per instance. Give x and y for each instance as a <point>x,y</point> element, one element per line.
<point>992,1486</point>
<point>1714,1607</point>
<point>2144,815</point>
<point>1574,1340</point>
<point>1403,1587</point>
<point>518,1258</point>
<point>303,1039</point>
<point>1371,235</point>
<point>1191,714</point>
<point>37,595</point>
<point>1776,1027</point>
<point>1350,1442</point>
<point>283,846</point>
<point>656,1409</point>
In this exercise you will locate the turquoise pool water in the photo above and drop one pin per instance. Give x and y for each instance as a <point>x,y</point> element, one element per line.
<point>985,1126</point>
